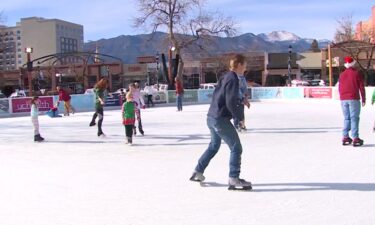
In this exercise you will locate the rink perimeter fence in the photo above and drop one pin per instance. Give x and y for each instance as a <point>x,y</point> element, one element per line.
<point>85,102</point>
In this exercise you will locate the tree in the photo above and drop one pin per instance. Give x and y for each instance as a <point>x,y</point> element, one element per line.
<point>315,46</point>
<point>359,46</point>
<point>186,23</point>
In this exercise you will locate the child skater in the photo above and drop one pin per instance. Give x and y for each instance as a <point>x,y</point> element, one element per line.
<point>128,117</point>
<point>34,118</point>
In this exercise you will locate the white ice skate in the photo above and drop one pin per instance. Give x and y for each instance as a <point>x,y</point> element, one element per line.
<point>238,184</point>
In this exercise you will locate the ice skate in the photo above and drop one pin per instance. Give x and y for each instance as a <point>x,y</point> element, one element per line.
<point>347,141</point>
<point>38,138</point>
<point>357,142</point>
<point>92,124</point>
<point>101,135</point>
<point>129,141</point>
<point>239,184</point>
<point>142,132</point>
<point>197,177</point>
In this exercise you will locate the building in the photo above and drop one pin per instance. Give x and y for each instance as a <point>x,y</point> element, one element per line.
<point>44,36</point>
<point>310,64</point>
<point>276,69</point>
<point>365,30</point>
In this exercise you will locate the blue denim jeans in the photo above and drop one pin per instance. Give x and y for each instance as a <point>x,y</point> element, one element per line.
<point>351,110</point>
<point>179,102</point>
<point>222,129</point>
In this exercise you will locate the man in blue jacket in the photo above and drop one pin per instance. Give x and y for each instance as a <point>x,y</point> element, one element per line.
<point>225,105</point>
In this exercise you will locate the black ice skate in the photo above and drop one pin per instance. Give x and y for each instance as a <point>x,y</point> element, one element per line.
<point>347,141</point>
<point>38,138</point>
<point>92,124</point>
<point>197,177</point>
<point>239,184</point>
<point>357,142</point>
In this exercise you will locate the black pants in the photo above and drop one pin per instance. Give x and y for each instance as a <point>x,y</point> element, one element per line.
<point>149,99</point>
<point>129,130</point>
<point>99,112</point>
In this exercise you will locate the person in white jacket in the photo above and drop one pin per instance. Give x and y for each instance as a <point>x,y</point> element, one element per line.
<point>149,91</point>
<point>34,112</point>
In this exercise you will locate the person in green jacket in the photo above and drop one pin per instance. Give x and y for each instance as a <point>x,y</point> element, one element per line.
<point>99,90</point>
<point>128,117</point>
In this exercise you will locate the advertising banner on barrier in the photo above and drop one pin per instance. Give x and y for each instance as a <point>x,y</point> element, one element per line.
<point>23,104</point>
<point>189,96</point>
<point>266,93</point>
<point>159,97</point>
<point>205,96</point>
<point>292,93</point>
<point>112,100</point>
<point>4,106</point>
<point>321,92</point>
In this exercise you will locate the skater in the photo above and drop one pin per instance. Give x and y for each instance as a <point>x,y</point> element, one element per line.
<point>223,108</point>
<point>99,89</point>
<point>243,100</point>
<point>128,117</point>
<point>179,93</point>
<point>150,91</point>
<point>372,103</point>
<point>351,87</point>
<point>65,97</point>
<point>139,102</point>
<point>34,112</point>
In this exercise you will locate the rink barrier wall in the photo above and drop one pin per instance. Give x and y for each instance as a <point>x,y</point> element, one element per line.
<point>86,102</point>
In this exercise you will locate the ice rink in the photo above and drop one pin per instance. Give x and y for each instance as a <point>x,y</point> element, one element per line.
<point>301,173</point>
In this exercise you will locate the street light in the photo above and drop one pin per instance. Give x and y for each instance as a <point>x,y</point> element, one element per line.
<point>28,51</point>
<point>171,49</point>
<point>157,68</point>
<point>290,66</point>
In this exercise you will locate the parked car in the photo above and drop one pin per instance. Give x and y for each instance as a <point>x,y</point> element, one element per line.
<point>89,91</point>
<point>207,86</point>
<point>2,95</point>
<point>18,94</point>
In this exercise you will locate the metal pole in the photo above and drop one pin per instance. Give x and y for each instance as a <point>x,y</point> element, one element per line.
<point>29,75</point>
<point>170,67</point>
<point>329,65</point>
<point>290,66</point>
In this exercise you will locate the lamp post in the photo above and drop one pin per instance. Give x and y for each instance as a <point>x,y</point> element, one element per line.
<point>171,49</point>
<point>290,66</point>
<point>28,51</point>
<point>157,68</point>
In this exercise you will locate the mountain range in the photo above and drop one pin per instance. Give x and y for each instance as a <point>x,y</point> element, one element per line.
<point>129,47</point>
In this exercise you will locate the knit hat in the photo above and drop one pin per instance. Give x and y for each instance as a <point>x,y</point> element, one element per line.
<point>349,62</point>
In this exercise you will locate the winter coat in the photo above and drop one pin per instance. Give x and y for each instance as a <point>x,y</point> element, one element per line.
<point>64,95</point>
<point>179,88</point>
<point>128,113</point>
<point>351,85</point>
<point>225,102</point>
<point>34,111</point>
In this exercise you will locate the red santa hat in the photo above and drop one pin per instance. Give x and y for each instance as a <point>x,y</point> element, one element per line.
<point>349,62</point>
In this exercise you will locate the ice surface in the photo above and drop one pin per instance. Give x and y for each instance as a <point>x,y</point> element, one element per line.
<point>292,154</point>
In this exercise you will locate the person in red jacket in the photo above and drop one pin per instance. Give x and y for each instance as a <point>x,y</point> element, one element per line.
<point>351,89</point>
<point>65,97</point>
<point>179,93</point>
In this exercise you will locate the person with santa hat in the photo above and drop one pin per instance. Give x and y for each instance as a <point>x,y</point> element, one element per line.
<point>352,90</point>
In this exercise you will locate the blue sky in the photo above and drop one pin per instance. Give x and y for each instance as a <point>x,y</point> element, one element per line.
<point>111,18</point>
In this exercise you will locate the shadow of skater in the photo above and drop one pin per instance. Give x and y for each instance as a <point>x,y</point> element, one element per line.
<point>290,187</point>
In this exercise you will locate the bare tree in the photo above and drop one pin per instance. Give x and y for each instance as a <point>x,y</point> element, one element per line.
<point>345,30</point>
<point>186,22</point>
<point>360,46</point>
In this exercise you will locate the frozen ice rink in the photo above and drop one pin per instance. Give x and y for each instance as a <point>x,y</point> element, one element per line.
<point>301,173</point>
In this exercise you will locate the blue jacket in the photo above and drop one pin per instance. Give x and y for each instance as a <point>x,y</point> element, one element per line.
<point>225,102</point>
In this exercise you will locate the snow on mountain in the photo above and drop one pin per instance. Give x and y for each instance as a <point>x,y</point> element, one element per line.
<point>276,36</point>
